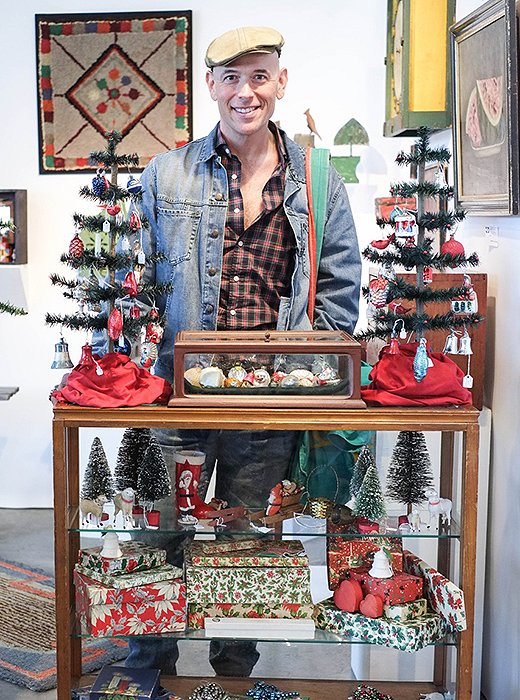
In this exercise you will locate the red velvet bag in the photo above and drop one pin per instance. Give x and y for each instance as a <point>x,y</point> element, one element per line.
<point>122,383</point>
<point>393,382</point>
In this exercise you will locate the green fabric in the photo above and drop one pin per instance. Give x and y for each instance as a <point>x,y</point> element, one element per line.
<point>319,186</point>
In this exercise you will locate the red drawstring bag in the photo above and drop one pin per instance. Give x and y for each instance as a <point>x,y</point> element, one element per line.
<point>393,382</point>
<point>122,383</point>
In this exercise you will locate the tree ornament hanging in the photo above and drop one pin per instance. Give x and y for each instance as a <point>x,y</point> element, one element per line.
<point>100,183</point>
<point>134,221</point>
<point>115,323</point>
<point>420,361</point>
<point>130,284</point>
<point>451,343</point>
<point>378,291</point>
<point>133,185</point>
<point>452,247</point>
<point>113,209</point>
<point>76,246</point>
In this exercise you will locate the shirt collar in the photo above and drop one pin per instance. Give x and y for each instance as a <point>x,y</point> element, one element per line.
<point>222,148</point>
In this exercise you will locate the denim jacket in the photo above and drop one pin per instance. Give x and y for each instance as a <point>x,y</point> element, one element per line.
<point>185,194</point>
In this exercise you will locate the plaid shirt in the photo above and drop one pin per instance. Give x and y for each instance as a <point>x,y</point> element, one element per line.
<point>258,262</point>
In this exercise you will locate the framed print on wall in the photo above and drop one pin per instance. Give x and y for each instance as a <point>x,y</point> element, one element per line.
<point>123,71</point>
<point>485,109</point>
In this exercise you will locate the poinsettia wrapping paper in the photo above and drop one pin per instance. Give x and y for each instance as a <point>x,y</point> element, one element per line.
<point>149,612</point>
<point>443,596</point>
<point>272,586</point>
<point>400,588</point>
<point>197,613</point>
<point>136,556</point>
<point>406,636</point>
<point>136,578</point>
<point>406,611</point>
<point>268,553</point>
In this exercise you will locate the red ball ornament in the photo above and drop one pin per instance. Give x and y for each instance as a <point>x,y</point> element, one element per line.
<point>115,324</point>
<point>76,246</point>
<point>452,247</point>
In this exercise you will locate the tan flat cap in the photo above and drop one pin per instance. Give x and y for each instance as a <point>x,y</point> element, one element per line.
<point>237,42</point>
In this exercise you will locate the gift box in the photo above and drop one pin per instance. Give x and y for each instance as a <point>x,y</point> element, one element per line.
<point>135,578</point>
<point>443,596</point>
<point>406,636</point>
<point>265,553</point>
<point>154,608</point>
<point>197,612</point>
<point>406,611</point>
<point>217,546</point>
<point>400,588</point>
<point>344,554</point>
<point>119,682</point>
<point>136,556</point>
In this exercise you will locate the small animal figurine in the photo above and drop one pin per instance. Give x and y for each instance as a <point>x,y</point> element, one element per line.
<point>414,520</point>
<point>92,508</point>
<point>124,503</point>
<point>311,123</point>
<point>438,506</point>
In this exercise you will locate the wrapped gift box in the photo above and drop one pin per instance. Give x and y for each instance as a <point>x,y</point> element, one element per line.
<point>406,611</point>
<point>154,608</point>
<point>269,553</point>
<point>406,636</point>
<point>197,613</point>
<point>443,596</point>
<point>136,556</point>
<point>400,588</point>
<point>121,682</point>
<point>136,578</point>
<point>217,546</point>
<point>345,553</point>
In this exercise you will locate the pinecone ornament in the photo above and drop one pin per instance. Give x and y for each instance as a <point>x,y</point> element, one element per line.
<point>76,246</point>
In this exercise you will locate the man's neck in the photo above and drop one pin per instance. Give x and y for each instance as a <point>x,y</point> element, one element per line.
<point>252,147</point>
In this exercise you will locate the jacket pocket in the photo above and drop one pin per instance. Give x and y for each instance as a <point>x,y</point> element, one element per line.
<point>177,226</point>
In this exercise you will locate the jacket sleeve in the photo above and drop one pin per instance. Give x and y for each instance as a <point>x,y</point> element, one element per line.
<point>339,272</point>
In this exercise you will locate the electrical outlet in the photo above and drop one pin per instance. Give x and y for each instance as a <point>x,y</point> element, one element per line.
<point>491,233</point>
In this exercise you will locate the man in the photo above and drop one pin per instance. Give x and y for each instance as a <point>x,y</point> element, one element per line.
<point>229,212</point>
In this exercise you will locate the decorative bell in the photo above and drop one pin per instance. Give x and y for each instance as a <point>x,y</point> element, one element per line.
<point>465,344</point>
<point>61,356</point>
<point>451,344</point>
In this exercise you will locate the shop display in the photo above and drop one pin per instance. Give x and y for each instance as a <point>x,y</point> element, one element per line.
<point>132,579</point>
<point>248,553</point>
<point>248,368</point>
<point>136,556</point>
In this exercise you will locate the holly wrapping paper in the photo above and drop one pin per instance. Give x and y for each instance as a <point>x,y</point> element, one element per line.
<point>197,613</point>
<point>136,578</point>
<point>443,596</point>
<point>249,585</point>
<point>266,553</point>
<point>214,546</point>
<point>136,556</point>
<point>412,635</point>
<point>406,611</point>
<point>400,588</point>
<point>156,608</point>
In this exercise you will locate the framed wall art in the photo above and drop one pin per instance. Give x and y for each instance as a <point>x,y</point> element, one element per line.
<point>13,227</point>
<point>485,109</point>
<point>129,72</point>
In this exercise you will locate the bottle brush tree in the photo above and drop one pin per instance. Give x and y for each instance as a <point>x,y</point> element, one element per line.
<point>410,471</point>
<point>97,480</point>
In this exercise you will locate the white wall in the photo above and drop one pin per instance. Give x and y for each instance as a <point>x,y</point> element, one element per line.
<point>338,74</point>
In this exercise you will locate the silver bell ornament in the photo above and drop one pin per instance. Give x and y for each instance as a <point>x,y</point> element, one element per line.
<point>465,344</point>
<point>61,356</point>
<point>451,344</point>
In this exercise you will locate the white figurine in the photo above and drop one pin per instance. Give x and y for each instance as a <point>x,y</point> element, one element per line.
<point>381,568</point>
<point>124,503</point>
<point>438,506</point>
<point>111,549</point>
<point>92,507</point>
<point>414,520</point>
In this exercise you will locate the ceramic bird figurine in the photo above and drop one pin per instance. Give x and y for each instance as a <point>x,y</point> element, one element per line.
<point>311,123</point>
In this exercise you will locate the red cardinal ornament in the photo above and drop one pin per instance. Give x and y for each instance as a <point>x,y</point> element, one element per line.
<point>115,324</point>
<point>76,246</point>
<point>383,243</point>
<point>130,284</point>
<point>114,209</point>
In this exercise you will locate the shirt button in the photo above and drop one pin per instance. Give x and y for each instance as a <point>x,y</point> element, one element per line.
<point>219,196</point>
<point>234,176</point>
<point>209,308</point>
<point>236,210</point>
<point>240,243</point>
<point>236,278</point>
<point>212,271</point>
<point>233,312</point>
<point>214,233</point>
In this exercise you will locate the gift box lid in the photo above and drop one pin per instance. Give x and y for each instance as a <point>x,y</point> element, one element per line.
<point>268,553</point>
<point>120,682</point>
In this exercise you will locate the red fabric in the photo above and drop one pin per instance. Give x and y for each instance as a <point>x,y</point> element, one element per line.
<point>122,383</point>
<point>393,382</point>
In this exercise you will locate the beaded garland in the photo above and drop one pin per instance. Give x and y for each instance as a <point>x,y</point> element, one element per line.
<point>263,691</point>
<point>366,692</point>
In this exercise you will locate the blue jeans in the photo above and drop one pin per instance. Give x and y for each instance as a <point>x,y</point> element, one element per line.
<point>248,465</point>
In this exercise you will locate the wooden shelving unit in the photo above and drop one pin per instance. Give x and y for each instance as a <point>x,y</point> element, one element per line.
<point>68,420</point>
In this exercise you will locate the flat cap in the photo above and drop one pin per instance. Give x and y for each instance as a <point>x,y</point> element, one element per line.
<point>240,41</point>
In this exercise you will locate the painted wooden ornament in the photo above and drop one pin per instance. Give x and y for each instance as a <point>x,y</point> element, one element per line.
<point>76,246</point>
<point>115,324</point>
<point>133,185</point>
<point>372,606</point>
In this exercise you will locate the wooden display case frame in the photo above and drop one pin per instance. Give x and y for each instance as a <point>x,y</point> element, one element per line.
<point>69,419</point>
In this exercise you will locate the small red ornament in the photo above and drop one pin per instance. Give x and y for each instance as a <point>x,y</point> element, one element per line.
<point>452,247</point>
<point>86,359</point>
<point>427,275</point>
<point>115,324</point>
<point>135,311</point>
<point>381,244</point>
<point>114,209</point>
<point>154,313</point>
<point>134,221</point>
<point>394,347</point>
<point>76,247</point>
<point>154,333</point>
<point>130,284</point>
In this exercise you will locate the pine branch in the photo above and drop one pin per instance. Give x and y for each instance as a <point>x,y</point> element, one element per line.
<point>422,189</point>
<point>8,308</point>
<point>400,289</point>
<point>385,321</point>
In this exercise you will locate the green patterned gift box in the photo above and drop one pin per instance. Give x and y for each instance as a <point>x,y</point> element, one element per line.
<point>197,613</point>
<point>136,578</point>
<point>269,553</point>
<point>136,556</point>
<point>406,636</point>
<point>406,611</point>
<point>248,585</point>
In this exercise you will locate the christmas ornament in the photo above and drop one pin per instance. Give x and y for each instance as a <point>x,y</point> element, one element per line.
<point>209,691</point>
<point>76,246</point>
<point>123,345</point>
<point>383,243</point>
<point>111,548</point>
<point>211,377</point>
<point>465,344</point>
<point>427,275</point>
<point>406,226</point>
<point>100,183</point>
<point>135,311</point>
<point>129,284</point>
<point>452,247</point>
<point>86,359</point>
<point>154,333</point>
<point>378,291</point>
<point>61,356</point>
<point>134,221</point>
<point>106,226</point>
<point>451,344</point>
<point>133,185</point>
<point>114,209</point>
<point>420,362</point>
<point>148,355</point>
<point>263,691</point>
<point>468,303</point>
<point>115,324</point>
<point>381,567</point>
<point>188,467</point>
<point>394,346</point>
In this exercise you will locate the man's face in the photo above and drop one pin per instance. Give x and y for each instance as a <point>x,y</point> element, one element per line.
<point>246,92</point>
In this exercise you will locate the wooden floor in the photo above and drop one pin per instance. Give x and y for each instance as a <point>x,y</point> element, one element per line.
<point>315,690</point>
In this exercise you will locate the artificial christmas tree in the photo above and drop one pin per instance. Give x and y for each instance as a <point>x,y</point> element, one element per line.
<point>369,499</point>
<point>106,251</point>
<point>153,480</point>
<point>130,454</point>
<point>411,245</point>
<point>363,462</point>
<point>97,480</point>
<point>410,472</point>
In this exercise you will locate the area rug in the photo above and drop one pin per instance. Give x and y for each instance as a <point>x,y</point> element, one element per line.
<point>129,72</point>
<point>27,633</point>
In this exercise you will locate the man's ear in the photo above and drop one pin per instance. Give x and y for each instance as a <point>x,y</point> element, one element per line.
<point>210,82</point>
<point>282,82</point>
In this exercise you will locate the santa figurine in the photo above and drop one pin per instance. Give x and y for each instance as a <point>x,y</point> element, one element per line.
<point>186,494</point>
<point>274,501</point>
